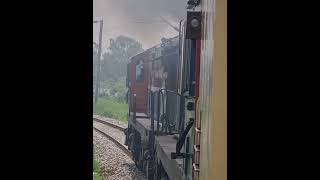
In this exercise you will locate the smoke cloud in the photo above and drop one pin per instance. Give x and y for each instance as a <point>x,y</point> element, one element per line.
<point>139,19</point>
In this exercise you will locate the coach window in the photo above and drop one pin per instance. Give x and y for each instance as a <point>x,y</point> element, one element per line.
<point>139,72</point>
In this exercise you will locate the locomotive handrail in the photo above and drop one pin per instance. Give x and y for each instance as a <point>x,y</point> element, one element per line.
<point>152,113</point>
<point>158,111</point>
<point>181,140</point>
<point>163,117</point>
<point>165,121</point>
<point>183,133</point>
<point>162,93</point>
<point>134,107</point>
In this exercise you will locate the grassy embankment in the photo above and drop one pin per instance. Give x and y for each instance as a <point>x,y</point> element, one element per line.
<point>111,108</point>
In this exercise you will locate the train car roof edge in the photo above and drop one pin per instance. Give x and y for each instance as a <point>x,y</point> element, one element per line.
<point>155,46</point>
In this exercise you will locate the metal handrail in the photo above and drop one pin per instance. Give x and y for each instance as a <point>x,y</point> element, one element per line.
<point>165,121</point>
<point>152,112</point>
<point>163,93</point>
<point>134,108</point>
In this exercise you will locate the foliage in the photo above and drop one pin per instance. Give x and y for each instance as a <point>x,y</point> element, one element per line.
<point>114,62</point>
<point>112,102</point>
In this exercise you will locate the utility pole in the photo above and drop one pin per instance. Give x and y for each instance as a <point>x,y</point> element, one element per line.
<point>98,64</point>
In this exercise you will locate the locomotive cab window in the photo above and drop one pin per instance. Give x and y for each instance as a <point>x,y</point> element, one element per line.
<point>139,72</point>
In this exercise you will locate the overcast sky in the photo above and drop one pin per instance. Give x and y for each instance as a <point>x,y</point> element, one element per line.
<point>139,19</point>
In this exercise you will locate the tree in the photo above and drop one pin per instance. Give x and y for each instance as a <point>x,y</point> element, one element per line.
<point>114,62</point>
<point>114,65</point>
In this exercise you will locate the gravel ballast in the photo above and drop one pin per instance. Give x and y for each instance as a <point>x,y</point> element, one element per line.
<point>115,164</point>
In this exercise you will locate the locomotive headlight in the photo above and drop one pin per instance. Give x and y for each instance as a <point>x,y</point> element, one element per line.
<point>193,30</point>
<point>195,23</point>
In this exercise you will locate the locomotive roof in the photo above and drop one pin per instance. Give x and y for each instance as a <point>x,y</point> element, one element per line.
<point>174,40</point>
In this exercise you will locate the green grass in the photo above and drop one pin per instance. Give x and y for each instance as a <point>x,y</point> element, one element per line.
<point>109,107</point>
<point>96,170</point>
<point>96,176</point>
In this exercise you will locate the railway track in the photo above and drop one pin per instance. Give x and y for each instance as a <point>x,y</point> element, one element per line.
<point>108,124</point>
<point>111,137</point>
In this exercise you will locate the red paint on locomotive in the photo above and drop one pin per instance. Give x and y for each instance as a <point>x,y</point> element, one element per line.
<point>138,81</point>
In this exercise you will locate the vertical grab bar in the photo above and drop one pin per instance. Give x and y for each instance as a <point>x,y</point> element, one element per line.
<point>134,108</point>
<point>152,113</point>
